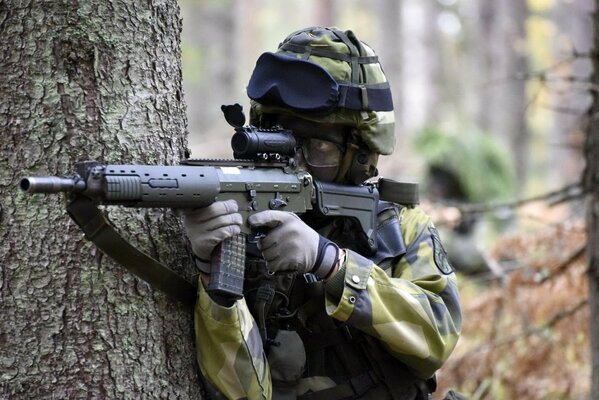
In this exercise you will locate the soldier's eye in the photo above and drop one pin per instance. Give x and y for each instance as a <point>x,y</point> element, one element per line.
<point>322,153</point>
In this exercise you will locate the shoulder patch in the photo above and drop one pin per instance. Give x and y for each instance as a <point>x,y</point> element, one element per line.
<point>440,255</point>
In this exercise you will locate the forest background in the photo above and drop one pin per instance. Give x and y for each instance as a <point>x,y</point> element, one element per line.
<point>496,110</point>
<point>491,98</point>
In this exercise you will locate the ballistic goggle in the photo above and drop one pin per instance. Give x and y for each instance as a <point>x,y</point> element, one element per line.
<point>303,86</point>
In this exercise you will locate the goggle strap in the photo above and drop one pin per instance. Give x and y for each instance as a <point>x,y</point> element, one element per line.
<point>346,163</point>
<point>366,97</point>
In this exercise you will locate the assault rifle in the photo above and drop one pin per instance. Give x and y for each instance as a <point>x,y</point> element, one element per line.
<point>263,175</point>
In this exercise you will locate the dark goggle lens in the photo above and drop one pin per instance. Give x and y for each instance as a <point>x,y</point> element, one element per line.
<point>321,153</point>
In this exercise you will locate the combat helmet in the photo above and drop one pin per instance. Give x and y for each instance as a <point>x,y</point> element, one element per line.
<point>326,75</point>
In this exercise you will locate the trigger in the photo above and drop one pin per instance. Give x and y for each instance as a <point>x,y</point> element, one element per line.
<point>256,236</point>
<point>277,202</point>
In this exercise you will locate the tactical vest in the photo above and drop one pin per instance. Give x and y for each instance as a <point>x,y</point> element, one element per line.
<point>288,307</point>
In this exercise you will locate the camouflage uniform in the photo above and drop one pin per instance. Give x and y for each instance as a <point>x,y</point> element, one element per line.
<point>382,325</point>
<point>409,302</point>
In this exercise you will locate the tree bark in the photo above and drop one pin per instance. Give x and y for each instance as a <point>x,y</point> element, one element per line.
<point>569,100</point>
<point>500,44</point>
<point>88,80</point>
<point>389,13</point>
<point>591,182</point>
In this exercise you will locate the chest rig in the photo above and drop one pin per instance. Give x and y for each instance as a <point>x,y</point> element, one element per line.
<point>278,300</point>
<point>356,363</point>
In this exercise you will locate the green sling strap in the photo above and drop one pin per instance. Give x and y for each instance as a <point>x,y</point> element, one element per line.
<point>99,231</point>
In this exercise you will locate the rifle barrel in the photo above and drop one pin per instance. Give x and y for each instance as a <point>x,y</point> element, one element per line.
<point>49,184</point>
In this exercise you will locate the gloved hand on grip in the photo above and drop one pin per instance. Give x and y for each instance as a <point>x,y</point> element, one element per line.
<point>207,227</point>
<point>291,245</point>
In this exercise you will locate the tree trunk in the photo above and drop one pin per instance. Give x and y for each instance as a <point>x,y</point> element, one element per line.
<point>568,101</point>
<point>591,181</point>
<point>514,102</point>
<point>420,66</point>
<point>500,44</point>
<point>88,80</point>
<point>324,11</point>
<point>389,13</point>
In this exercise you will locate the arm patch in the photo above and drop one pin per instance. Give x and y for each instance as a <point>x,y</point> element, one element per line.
<point>440,255</point>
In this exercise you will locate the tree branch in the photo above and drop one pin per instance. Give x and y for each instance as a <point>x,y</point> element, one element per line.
<point>534,330</point>
<point>567,193</point>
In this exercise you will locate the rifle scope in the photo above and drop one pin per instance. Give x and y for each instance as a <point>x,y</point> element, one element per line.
<point>249,142</point>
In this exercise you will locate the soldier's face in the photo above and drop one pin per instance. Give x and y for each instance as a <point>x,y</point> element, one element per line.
<point>322,146</point>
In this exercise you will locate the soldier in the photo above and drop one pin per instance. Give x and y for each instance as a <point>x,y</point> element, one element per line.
<point>467,168</point>
<point>322,317</point>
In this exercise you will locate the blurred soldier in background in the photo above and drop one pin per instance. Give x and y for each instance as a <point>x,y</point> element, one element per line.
<point>464,169</point>
<point>322,317</point>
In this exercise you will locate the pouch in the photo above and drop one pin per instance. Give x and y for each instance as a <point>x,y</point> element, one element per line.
<point>287,360</point>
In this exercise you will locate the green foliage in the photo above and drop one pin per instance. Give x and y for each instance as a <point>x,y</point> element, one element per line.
<point>480,163</point>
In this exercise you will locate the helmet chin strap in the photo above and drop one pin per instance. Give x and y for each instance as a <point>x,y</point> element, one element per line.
<point>363,166</point>
<point>346,163</point>
<point>358,163</point>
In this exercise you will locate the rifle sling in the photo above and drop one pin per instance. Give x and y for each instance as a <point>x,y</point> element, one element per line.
<point>99,231</point>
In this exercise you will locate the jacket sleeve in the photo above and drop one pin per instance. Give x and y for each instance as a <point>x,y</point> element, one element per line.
<point>229,349</point>
<point>414,309</point>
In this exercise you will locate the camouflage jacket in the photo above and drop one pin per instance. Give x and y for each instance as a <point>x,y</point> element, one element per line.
<point>405,297</point>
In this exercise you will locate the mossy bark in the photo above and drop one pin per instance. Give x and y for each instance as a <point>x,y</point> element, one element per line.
<point>88,80</point>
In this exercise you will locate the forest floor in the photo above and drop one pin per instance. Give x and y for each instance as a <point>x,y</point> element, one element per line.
<point>525,332</point>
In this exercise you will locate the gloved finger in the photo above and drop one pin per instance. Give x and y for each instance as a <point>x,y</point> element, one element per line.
<point>216,228</point>
<point>269,218</point>
<point>198,230</point>
<point>273,260</point>
<point>216,209</point>
<point>221,221</point>
<point>203,243</point>
<point>278,263</point>
<point>268,248</point>
<point>271,250</point>
<point>220,234</point>
<point>207,227</point>
<point>268,239</point>
<point>287,229</point>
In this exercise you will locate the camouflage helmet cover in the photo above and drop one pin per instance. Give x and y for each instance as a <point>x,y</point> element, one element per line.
<point>351,63</point>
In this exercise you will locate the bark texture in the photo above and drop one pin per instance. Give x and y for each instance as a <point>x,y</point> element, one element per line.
<point>88,80</point>
<point>591,181</point>
<point>500,43</point>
